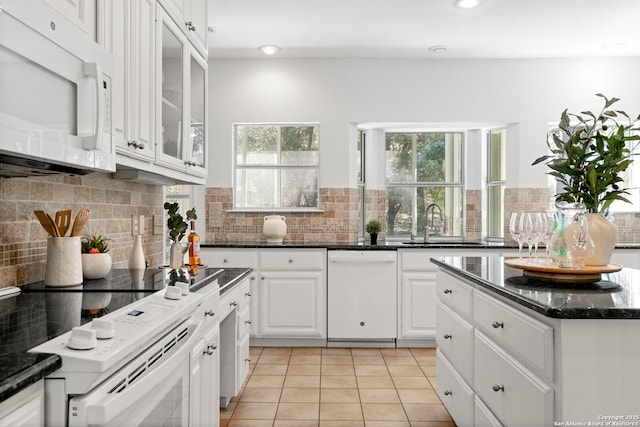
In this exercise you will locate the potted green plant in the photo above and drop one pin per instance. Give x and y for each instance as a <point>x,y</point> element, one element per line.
<point>588,159</point>
<point>177,229</point>
<point>374,227</point>
<point>96,259</point>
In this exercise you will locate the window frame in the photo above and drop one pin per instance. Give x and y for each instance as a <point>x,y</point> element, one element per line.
<point>494,183</point>
<point>360,181</point>
<point>276,167</point>
<point>424,184</point>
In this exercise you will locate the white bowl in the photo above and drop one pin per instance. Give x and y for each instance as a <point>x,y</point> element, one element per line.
<point>96,266</point>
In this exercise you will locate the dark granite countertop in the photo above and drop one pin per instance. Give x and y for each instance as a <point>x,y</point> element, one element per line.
<point>615,296</point>
<point>39,313</point>
<point>381,246</point>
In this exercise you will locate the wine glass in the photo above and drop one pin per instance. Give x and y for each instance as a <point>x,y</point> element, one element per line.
<point>539,223</point>
<point>515,228</point>
<point>528,231</point>
<point>548,227</point>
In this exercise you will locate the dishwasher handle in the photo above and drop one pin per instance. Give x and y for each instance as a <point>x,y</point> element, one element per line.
<point>362,258</point>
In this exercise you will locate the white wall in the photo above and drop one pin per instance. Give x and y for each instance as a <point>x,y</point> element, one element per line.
<point>526,94</point>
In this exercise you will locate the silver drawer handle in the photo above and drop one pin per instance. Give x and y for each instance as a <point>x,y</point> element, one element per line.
<point>209,350</point>
<point>233,304</point>
<point>447,336</point>
<point>447,393</point>
<point>225,260</point>
<point>447,291</point>
<point>262,278</point>
<point>248,360</point>
<point>210,313</point>
<point>497,387</point>
<point>248,294</point>
<point>497,324</point>
<point>248,322</point>
<point>253,277</point>
<point>290,259</point>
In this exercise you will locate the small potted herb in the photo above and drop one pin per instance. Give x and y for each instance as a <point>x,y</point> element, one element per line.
<point>96,259</point>
<point>373,228</point>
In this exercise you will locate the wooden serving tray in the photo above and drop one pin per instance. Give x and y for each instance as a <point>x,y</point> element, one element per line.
<point>554,273</point>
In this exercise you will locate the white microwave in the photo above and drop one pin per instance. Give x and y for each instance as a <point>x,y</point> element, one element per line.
<point>55,94</point>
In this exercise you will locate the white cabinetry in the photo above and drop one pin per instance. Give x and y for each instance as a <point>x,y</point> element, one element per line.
<point>25,409</point>
<point>288,291</point>
<point>292,294</point>
<point>127,30</point>
<point>181,88</point>
<point>191,17</point>
<point>81,13</point>
<point>495,362</point>
<point>204,384</point>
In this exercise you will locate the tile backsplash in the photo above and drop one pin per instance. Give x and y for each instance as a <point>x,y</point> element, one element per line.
<point>112,203</point>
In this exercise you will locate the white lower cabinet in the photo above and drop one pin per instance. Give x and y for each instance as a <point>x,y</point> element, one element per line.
<point>454,392</point>
<point>495,363</point>
<point>24,409</point>
<point>204,385</point>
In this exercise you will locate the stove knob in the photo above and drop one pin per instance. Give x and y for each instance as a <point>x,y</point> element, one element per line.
<point>172,292</point>
<point>105,329</point>
<point>82,339</point>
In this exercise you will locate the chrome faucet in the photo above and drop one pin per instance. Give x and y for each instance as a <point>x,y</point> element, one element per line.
<point>433,228</point>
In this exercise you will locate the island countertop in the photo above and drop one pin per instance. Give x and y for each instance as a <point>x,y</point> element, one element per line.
<point>616,296</point>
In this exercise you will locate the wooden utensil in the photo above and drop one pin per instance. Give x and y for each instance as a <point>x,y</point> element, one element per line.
<point>47,223</point>
<point>63,221</point>
<point>81,219</point>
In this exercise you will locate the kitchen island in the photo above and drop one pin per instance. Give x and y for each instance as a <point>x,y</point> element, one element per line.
<point>516,351</point>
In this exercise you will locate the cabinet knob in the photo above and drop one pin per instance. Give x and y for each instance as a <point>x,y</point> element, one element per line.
<point>447,336</point>
<point>233,304</point>
<point>209,350</point>
<point>447,393</point>
<point>247,359</point>
<point>447,291</point>
<point>247,294</point>
<point>262,278</point>
<point>290,260</point>
<point>497,387</point>
<point>248,322</point>
<point>210,313</point>
<point>497,324</point>
<point>190,26</point>
<point>253,277</point>
<point>225,260</point>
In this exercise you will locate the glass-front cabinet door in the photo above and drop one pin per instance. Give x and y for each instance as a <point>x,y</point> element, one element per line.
<point>196,147</point>
<point>171,62</point>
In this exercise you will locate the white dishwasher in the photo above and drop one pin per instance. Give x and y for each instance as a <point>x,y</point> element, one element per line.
<point>362,296</point>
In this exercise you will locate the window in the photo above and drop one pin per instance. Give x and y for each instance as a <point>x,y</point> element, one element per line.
<point>496,177</point>
<point>181,194</point>
<point>276,166</point>
<point>360,180</point>
<point>423,169</point>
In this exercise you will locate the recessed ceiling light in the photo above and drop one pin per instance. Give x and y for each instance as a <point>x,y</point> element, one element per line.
<point>612,47</point>
<point>269,49</point>
<point>468,4</point>
<point>438,49</point>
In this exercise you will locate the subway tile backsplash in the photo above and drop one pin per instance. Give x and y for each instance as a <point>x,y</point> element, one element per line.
<point>112,202</point>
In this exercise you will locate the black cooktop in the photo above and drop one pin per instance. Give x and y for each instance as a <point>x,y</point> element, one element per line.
<point>40,313</point>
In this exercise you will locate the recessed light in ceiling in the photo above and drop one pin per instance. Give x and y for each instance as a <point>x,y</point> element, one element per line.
<point>438,49</point>
<point>269,49</point>
<point>612,47</point>
<point>468,4</point>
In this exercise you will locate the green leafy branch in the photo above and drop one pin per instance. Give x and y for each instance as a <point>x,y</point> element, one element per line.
<point>176,223</point>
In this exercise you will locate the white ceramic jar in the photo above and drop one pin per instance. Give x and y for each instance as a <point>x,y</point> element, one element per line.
<point>274,228</point>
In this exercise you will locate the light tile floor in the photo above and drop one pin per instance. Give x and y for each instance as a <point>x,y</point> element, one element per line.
<point>338,387</point>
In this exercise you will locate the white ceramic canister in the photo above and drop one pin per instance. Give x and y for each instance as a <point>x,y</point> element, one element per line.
<point>64,262</point>
<point>274,228</point>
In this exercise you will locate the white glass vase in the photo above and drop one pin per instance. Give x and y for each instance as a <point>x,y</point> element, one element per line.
<point>604,234</point>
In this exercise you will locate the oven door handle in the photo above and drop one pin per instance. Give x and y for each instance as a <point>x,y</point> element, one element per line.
<point>101,406</point>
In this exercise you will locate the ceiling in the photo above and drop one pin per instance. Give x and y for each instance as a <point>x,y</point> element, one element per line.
<point>408,28</point>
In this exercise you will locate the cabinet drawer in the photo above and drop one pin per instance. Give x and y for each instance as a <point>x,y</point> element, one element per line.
<point>483,416</point>
<point>454,293</point>
<point>455,340</point>
<point>512,392</point>
<point>531,339</point>
<point>292,260</point>
<point>231,258</point>
<point>454,393</point>
<point>413,259</point>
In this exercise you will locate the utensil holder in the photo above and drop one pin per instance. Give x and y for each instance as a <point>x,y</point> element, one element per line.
<point>64,262</point>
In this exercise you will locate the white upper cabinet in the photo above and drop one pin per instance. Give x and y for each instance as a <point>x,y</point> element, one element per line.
<point>82,13</point>
<point>181,89</point>
<point>191,16</point>
<point>130,38</point>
